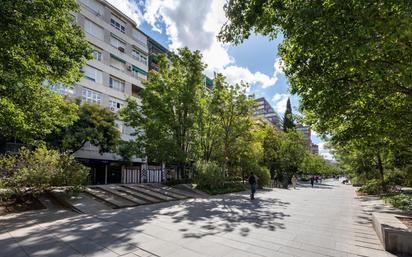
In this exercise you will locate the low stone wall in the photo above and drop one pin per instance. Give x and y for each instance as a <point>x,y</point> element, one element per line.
<point>394,235</point>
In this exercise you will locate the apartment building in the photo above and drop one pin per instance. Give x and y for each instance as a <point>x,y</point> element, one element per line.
<point>116,72</point>
<point>315,148</point>
<point>266,111</point>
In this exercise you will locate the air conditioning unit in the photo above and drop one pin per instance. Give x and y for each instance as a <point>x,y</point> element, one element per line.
<point>121,49</point>
<point>99,13</point>
<point>112,108</point>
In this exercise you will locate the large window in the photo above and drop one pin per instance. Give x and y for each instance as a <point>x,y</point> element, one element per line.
<point>91,96</point>
<point>139,73</point>
<point>117,84</point>
<point>117,43</point>
<point>93,29</point>
<point>141,57</point>
<point>115,104</point>
<point>117,63</point>
<point>93,74</point>
<point>118,24</point>
<point>97,55</point>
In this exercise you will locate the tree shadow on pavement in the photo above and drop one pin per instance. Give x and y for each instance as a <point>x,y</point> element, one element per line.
<point>140,229</point>
<point>228,213</point>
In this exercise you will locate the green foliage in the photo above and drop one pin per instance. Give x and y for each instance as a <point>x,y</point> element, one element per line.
<point>229,187</point>
<point>95,124</point>
<point>209,176</point>
<point>170,108</point>
<point>233,111</point>
<point>39,170</point>
<point>38,43</point>
<point>349,62</point>
<point>371,187</point>
<point>288,118</point>
<point>401,201</point>
<point>263,174</point>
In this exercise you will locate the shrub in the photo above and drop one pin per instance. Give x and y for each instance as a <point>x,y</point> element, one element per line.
<point>228,187</point>
<point>39,170</point>
<point>263,174</point>
<point>209,175</point>
<point>371,187</point>
<point>401,201</point>
<point>175,182</point>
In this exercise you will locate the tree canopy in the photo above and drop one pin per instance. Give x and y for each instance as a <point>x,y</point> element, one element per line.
<point>38,43</point>
<point>166,119</point>
<point>95,124</point>
<point>349,62</point>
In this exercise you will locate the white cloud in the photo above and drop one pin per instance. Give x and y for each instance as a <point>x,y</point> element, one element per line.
<point>324,151</point>
<point>129,8</point>
<point>280,100</point>
<point>195,24</point>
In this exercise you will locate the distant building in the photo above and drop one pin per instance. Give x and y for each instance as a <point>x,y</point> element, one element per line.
<point>306,130</point>
<point>266,111</point>
<point>315,148</point>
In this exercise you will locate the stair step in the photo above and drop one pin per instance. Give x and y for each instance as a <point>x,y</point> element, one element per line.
<point>113,200</point>
<point>113,190</point>
<point>137,194</point>
<point>165,191</point>
<point>149,192</point>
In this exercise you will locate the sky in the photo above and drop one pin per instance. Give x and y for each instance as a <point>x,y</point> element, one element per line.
<point>195,24</point>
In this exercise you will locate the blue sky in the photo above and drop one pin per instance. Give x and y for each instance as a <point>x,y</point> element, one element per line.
<point>195,24</point>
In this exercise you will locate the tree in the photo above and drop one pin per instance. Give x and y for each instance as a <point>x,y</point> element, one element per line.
<point>166,120</point>
<point>39,43</point>
<point>288,118</point>
<point>96,124</point>
<point>234,111</point>
<point>349,61</point>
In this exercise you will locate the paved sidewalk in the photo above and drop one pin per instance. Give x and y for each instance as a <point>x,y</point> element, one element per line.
<point>323,221</point>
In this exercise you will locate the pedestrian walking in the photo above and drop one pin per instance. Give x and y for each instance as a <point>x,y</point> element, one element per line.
<point>252,182</point>
<point>312,180</point>
<point>294,181</point>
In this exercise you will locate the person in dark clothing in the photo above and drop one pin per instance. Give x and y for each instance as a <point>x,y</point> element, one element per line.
<point>252,182</point>
<point>312,180</point>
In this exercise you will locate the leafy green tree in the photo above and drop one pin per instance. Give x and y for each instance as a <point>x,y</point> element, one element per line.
<point>209,130</point>
<point>233,109</point>
<point>349,61</point>
<point>39,42</point>
<point>288,118</point>
<point>166,120</point>
<point>96,124</point>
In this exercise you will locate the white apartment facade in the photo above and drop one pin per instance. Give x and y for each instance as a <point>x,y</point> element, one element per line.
<point>118,67</point>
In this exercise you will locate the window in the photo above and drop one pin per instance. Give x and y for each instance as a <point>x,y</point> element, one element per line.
<point>117,84</point>
<point>141,57</point>
<point>139,37</point>
<point>118,24</point>
<point>115,104</point>
<point>92,74</point>
<point>93,29</point>
<point>91,96</point>
<point>138,73</point>
<point>97,55</point>
<point>94,6</point>
<point>115,42</point>
<point>117,63</point>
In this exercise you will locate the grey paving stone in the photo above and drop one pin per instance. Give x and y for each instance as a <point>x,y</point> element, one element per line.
<point>324,221</point>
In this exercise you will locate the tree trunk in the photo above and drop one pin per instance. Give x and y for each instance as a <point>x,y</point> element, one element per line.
<point>381,173</point>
